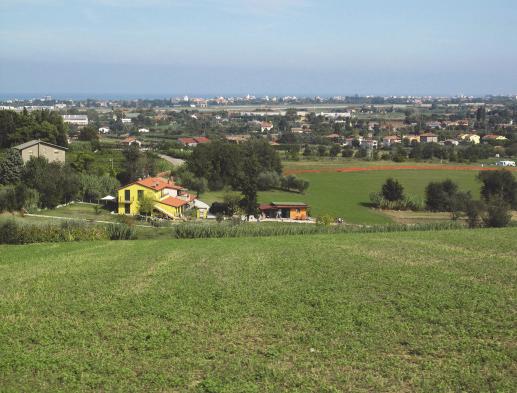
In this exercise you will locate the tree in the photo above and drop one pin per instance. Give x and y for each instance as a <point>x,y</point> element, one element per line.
<point>499,184</point>
<point>473,211</point>
<point>439,195</point>
<point>88,133</point>
<point>11,167</point>
<point>498,213</point>
<point>146,205</point>
<point>392,190</point>
<point>248,181</point>
<point>268,180</point>
<point>335,150</point>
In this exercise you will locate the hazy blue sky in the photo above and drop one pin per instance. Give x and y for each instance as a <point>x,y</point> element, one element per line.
<point>172,47</point>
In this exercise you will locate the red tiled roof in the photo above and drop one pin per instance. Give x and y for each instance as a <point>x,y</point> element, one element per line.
<point>491,136</point>
<point>186,141</point>
<point>129,139</point>
<point>157,183</point>
<point>202,139</point>
<point>174,202</point>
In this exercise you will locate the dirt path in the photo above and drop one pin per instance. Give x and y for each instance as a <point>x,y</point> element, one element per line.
<point>397,167</point>
<point>172,160</point>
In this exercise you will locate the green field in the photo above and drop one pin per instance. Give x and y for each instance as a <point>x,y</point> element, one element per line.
<point>344,194</point>
<point>418,311</point>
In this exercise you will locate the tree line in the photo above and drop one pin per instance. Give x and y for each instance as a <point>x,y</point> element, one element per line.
<point>17,128</point>
<point>498,197</point>
<point>248,167</point>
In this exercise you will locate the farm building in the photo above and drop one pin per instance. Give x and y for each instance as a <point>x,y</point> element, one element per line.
<point>193,142</point>
<point>37,148</point>
<point>78,120</point>
<point>291,210</point>
<point>130,140</point>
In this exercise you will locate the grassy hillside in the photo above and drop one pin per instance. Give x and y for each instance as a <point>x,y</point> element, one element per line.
<point>393,312</point>
<point>343,194</point>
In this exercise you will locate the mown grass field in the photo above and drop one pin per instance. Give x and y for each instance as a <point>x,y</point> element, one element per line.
<point>346,195</point>
<point>392,312</point>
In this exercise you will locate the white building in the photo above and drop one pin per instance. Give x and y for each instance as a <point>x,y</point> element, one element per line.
<point>505,163</point>
<point>143,130</point>
<point>104,130</point>
<point>79,120</point>
<point>126,120</point>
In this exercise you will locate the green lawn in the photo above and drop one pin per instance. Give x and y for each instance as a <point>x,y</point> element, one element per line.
<point>81,211</point>
<point>391,312</point>
<point>342,194</point>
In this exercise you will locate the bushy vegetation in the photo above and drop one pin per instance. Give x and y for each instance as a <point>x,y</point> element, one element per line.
<point>16,128</point>
<point>120,232</point>
<point>231,229</point>
<point>13,233</point>
<point>406,203</point>
<point>392,197</point>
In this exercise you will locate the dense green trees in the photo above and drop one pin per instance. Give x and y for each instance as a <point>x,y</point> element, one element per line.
<point>499,185</point>
<point>16,128</point>
<point>88,133</point>
<point>223,164</point>
<point>137,164</point>
<point>11,167</point>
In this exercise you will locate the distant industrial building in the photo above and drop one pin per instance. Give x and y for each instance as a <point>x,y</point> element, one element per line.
<point>79,120</point>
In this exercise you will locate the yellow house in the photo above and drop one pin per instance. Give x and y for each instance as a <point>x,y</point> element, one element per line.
<point>472,138</point>
<point>170,200</point>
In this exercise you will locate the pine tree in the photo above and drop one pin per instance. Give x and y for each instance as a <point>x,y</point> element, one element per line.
<point>11,167</point>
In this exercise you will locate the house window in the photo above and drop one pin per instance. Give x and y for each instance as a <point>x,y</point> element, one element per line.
<point>140,195</point>
<point>298,211</point>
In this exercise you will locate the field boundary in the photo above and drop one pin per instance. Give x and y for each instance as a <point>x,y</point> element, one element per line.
<point>396,168</point>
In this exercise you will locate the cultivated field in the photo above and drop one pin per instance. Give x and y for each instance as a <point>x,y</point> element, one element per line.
<point>346,195</point>
<point>418,311</point>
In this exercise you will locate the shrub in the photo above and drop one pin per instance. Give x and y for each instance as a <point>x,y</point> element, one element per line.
<point>497,213</point>
<point>473,211</point>
<point>120,232</point>
<point>407,203</point>
<point>13,233</point>
<point>392,190</point>
<point>324,220</point>
<point>8,232</point>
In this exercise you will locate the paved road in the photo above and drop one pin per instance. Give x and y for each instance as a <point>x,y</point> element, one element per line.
<point>172,160</point>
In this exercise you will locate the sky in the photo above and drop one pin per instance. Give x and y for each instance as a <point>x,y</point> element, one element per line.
<point>164,48</point>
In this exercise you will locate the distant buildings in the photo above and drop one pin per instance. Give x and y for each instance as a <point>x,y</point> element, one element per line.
<point>493,137</point>
<point>131,140</point>
<point>79,120</point>
<point>143,130</point>
<point>266,126</point>
<point>429,138</point>
<point>472,138</point>
<point>193,142</point>
<point>389,140</point>
<point>104,130</point>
